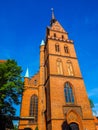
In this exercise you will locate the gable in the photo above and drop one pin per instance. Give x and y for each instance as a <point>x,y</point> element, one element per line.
<point>57,27</point>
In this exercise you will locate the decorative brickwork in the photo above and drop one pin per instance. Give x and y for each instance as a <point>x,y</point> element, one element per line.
<point>58,66</point>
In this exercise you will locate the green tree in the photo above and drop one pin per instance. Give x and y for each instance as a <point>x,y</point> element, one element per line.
<point>92,106</point>
<point>15,127</point>
<point>11,86</point>
<point>91,103</point>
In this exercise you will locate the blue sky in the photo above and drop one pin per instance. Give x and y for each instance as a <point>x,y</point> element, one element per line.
<point>23,25</point>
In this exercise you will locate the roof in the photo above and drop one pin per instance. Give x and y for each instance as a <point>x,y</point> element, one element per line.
<point>2,61</point>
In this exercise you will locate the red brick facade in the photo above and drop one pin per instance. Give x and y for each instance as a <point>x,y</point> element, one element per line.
<point>58,68</point>
<point>96,122</point>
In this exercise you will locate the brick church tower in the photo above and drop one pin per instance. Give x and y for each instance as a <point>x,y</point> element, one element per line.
<point>56,98</point>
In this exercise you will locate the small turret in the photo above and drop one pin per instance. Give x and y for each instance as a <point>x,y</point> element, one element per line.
<point>26,78</point>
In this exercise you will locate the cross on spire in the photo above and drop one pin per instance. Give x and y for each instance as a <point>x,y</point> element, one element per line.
<point>53,20</point>
<point>53,17</point>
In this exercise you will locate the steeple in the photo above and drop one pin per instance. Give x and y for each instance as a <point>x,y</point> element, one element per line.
<point>53,20</point>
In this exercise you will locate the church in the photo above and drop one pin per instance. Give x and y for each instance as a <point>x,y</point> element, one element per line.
<point>55,98</point>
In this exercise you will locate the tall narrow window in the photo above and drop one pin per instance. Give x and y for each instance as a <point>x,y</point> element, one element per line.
<point>68,93</point>
<point>54,35</point>
<point>62,37</point>
<point>59,67</point>
<point>66,49</point>
<point>57,49</point>
<point>34,108</point>
<point>70,68</point>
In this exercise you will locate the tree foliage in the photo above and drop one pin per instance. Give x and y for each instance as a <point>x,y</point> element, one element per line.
<point>15,127</point>
<point>92,106</point>
<point>11,86</point>
<point>91,103</point>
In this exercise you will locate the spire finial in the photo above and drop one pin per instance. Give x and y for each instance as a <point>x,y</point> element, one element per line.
<point>53,20</point>
<point>53,17</point>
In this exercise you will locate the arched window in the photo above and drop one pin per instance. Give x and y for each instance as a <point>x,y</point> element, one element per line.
<point>70,68</point>
<point>54,35</point>
<point>59,67</point>
<point>62,37</point>
<point>68,93</point>
<point>34,108</point>
<point>66,50</point>
<point>57,49</point>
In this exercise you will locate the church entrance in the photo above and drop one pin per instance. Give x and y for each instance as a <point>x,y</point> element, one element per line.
<point>71,126</point>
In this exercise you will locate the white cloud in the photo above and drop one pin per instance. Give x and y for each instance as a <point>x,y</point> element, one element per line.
<point>95,109</point>
<point>93,92</point>
<point>96,104</point>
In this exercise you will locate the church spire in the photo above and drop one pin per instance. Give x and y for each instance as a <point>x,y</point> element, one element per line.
<point>53,20</point>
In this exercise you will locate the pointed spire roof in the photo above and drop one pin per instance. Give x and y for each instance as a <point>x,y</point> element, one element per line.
<point>53,20</point>
<point>27,73</point>
<point>53,17</point>
<point>55,25</point>
<point>42,43</point>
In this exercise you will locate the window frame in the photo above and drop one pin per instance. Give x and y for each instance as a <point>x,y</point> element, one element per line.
<point>70,68</point>
<point>57,47</point>
<point>33,112</point>
<point>66,49</point>
<point>68,93</point>
<point>59,67</point>
<point>54,35</point>
<point>62,37</point>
